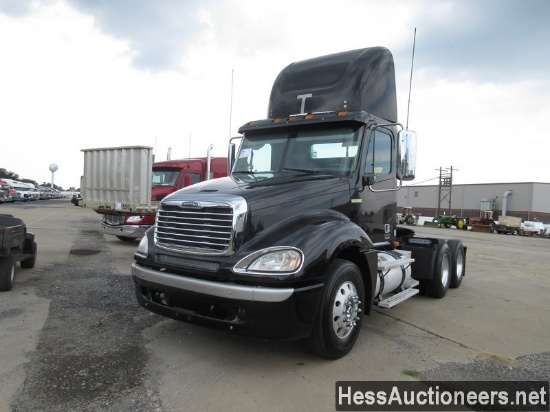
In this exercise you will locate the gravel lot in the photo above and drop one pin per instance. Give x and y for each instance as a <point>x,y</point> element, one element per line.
<point>72,337</point>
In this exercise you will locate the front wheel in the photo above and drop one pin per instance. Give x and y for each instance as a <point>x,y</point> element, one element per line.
<point>7,272</point>
<point>340,312</point>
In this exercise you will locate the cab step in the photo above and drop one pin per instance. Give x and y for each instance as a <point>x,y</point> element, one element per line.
<point>405,294</point>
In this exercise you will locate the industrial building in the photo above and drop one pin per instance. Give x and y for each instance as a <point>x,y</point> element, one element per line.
<point>530,200</point>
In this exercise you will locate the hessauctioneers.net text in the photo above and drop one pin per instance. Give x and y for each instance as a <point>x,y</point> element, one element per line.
<point>442,396</point>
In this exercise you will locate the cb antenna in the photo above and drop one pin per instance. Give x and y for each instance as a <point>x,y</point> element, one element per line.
<point>411,80</point>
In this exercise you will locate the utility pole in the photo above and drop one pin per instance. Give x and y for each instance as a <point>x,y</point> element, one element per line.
<point>445,188</point>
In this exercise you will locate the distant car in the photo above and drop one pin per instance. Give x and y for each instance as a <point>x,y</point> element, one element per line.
<point>76,200</point>
<point>3,197</point>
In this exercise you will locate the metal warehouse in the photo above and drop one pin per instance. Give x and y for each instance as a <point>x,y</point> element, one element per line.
<point>529,200</point>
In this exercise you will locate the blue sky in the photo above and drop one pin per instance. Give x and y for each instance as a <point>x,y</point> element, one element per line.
<point>80,74</point>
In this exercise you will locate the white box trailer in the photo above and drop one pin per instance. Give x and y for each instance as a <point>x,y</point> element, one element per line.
<point>510,221</point>
<point>117,180</point>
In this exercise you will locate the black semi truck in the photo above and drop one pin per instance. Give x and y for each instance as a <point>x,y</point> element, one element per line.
<point>300,240</point>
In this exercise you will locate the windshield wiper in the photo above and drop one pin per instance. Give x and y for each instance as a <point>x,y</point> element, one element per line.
<point>306,171</point>
<point>248,172</point>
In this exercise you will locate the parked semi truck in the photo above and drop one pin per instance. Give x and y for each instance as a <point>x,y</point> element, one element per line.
<point>124,186</point>
<point>172,175</point>
<point>300,241</point>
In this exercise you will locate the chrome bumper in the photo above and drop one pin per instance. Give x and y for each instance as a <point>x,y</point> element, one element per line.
<point>218,289</point>
<point>133,231</point>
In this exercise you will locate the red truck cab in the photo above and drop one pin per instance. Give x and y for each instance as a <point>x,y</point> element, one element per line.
<point>171,175</point>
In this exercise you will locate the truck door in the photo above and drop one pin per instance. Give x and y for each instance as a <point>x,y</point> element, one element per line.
<point>378,198</point>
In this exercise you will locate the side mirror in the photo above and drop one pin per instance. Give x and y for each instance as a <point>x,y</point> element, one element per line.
<point>231,154</point>
<point>406,169</point>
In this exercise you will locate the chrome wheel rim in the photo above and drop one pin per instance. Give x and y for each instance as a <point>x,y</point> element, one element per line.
<point>345,310</point>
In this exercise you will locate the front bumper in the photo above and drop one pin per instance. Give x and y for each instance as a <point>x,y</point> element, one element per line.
<point>131,231</point>
<point>263,312</point>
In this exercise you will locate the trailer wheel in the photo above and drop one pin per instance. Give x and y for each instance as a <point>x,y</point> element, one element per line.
<point>7,272</point>
<point>340,312</point>
<point>30,248</point>
<point>458,262</point>
<point>438,286</point>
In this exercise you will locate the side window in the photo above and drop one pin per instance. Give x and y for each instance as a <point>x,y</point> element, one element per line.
<point>379,154</point>
<point>190,178</point>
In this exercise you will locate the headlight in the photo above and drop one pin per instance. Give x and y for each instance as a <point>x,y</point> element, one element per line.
<point>275,260</point>
<point>143,247</point>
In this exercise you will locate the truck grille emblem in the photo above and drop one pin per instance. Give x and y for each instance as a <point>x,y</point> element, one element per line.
<point>195,205</point>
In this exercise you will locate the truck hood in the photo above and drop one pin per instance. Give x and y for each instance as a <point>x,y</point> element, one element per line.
<point>273,192</point>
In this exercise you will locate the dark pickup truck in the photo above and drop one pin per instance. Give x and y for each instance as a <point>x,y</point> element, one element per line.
<point>16,245</point>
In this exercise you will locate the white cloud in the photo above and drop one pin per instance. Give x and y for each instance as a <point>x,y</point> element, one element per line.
<point>72,78</point>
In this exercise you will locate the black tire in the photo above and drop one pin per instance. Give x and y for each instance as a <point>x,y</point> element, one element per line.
<point>458,262</point>
<point>335,332</point>
<point>32,249</point>
<point>7,272</point>
<point>422,286</point>
<point>409,220</point>
<point>448,225</point>
<point>437,287</point>
<point>125,238</point>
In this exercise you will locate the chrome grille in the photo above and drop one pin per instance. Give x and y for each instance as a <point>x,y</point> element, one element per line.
<point>204,227</point>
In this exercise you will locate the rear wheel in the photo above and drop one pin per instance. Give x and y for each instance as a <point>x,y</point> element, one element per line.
<point>339,316</point>
<point>7,272</point>
<point>437,287</point>
<point>458,262</point>
<point>409,220</point>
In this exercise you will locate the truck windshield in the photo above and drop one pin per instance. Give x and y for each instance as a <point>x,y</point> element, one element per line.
<point>165,177</point>
<point>327,150</point>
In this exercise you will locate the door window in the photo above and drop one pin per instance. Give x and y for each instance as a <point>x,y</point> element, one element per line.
<point>379,156</point>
